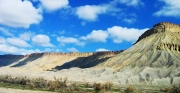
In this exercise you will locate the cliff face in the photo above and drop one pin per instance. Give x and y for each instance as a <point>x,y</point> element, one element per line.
<point>164,27</point>
<point>48,61</point>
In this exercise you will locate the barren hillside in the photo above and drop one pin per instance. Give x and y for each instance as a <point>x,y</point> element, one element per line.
<point>154,59</point>
<point>49,61</point>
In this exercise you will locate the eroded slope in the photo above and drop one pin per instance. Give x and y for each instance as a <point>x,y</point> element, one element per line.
<point>154,59</point>
<point>49,61</point>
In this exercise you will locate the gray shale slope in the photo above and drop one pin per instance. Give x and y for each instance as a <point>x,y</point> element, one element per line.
<point>153,60</point>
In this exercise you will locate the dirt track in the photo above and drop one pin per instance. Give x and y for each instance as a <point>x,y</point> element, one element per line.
<point>10,90</point>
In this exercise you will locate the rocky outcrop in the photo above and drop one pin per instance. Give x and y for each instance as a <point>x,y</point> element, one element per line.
<point>171,47</point>
<point>76,53</point>
<point>161,27</point>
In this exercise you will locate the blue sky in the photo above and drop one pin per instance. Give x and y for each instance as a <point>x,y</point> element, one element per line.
<point>28,26</point>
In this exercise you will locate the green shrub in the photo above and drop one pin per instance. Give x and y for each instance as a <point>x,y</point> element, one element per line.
<point>175,89</point>
<point>58,85</point>
<point>107,86</point>
<point>97,87</point>
<point>129,89</point>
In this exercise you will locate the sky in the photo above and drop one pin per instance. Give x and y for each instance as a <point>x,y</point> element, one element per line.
<point>31,26</point>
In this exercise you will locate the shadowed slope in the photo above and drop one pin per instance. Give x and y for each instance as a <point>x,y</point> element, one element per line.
<point>30,58</point>
<point>6,60</point>
<point>85,62</point>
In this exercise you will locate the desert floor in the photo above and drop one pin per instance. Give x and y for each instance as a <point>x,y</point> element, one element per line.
<point>10,90</point>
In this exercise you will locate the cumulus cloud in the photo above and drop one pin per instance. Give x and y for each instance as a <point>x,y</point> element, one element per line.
<point>26,51</point>
<point>90,12</point>
<point>131,2</point>
<point>17,42</point>
<point>4,48</point>
<point>69,40</point>
<point>96,36</point>
<point>19,13</point>
<point>48,49</point>
<point>129,20</point>
<point>26,36</point>
<point>62,32</point>
<point>8,49</point>
<point>2,40</point>
<point>52,5</point>
<point>42,40</point>
<point>102,49</point>
<point>5,31</point>
<point>63,39</point>
<point>51,50</point>
<point>171,8</point>
<point>120,34</point>
<point>72,49</point>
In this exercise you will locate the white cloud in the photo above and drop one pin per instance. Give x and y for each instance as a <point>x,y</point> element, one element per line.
<point>8,49</point>
<point>4,48</point>
<point>52,5</point>
<point>17,42</point>
<point>119,34</point>
<point>129,20</point>
<point>2,40</point>
<point>81,43</point>
<point>102,49</point>
<point>5,32</point>
<point>171,8</point>
<point>48,50</point>
<point>26,36</point>
<point>69,40</point>
<point>19,13</point>
<point>25,51</point>
<point>72,49</point>
<point>96,36</point>
<point>131,2</point>
<point>90,12</point>
<point>63,39</point>
<point>62,32</point>
<point>57,50</point>
<point>42,40</point>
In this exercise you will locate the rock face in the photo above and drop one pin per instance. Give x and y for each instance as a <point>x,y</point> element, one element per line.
<point>154,58</point>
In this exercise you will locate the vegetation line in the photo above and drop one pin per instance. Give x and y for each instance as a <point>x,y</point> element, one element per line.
<point>62,85</point>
